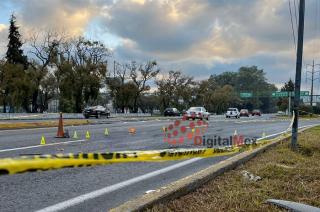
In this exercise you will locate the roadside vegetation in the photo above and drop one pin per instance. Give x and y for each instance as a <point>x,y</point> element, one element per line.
<point>52,68</point>
<point>26,125</point>
<point>286,175</point>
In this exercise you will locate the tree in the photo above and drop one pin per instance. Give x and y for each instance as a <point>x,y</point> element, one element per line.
<point>81,71</point>
<point>14,79</point>
<point>288,86</point>
<point>283,103</point>
<point>14,54</point>
<point>140,75</point>
<point>174,87</point>
<point>43,48</point>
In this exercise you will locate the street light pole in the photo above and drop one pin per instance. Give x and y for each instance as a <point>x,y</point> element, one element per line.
<point>298,75</point>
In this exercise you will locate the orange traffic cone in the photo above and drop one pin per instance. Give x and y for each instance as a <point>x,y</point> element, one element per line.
<point>60,133</point>
<point>132,130</point>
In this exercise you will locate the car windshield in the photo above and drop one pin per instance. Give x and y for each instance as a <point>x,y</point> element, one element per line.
<point>195,109</point>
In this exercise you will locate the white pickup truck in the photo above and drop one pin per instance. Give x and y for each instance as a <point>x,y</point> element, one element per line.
<point>233,112</point>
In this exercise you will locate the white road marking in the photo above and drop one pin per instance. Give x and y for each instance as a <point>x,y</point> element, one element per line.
<point>82,198</point>
<point>36,146</point>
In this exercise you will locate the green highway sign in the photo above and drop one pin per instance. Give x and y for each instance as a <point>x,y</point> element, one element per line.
<point>302,93</point>
<point>245,95</point>
<point>279,94</point>
<point>285,93</point>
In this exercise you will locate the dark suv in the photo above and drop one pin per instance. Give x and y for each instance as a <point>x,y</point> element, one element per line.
<point>171,112</point>
<point>96,111</point>
<point>256,113</point>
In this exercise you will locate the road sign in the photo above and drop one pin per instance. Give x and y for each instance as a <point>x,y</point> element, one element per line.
<point>245,95</point>
<point>286,93</point>
<point>302,93</point>
<point>279,94</point>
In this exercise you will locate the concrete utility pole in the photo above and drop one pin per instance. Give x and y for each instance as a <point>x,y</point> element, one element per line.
<point>114,69</point>
<point>312,79</point>
<point>297,84</point>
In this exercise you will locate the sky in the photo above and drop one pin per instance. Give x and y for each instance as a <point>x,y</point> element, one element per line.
<point>197,37</point>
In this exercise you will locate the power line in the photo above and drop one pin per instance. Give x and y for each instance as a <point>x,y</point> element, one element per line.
<point>295,13</point>
<point>292,27</point>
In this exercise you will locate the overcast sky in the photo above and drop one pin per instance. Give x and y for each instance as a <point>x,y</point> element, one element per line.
<point>199,37</point>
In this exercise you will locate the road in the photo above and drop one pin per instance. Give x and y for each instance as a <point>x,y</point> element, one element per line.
<point>103,187</point>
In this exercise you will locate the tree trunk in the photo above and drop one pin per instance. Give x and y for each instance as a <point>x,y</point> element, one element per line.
<point>35,101</point>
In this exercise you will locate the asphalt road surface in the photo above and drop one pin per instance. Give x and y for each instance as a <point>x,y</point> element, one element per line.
<point>100,188</point>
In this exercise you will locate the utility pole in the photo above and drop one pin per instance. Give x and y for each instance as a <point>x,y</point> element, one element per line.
<point>114,69</point>
<point>312,78</point>
<point>297,84</point>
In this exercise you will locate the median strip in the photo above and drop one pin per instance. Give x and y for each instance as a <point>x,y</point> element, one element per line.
<point>42,124</point>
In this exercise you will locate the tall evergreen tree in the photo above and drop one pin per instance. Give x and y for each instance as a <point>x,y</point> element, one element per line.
<point>14,53</point>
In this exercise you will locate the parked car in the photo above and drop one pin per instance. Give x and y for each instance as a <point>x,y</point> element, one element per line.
<point>256,113</point>
<point>197,113</point>
<point>233,112</point>
<point>244,112</point>
<point>171,112</point>
<point>96,111</point>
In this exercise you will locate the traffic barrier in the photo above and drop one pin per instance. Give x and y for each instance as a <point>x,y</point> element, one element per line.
<point>75,135</point>
<point>106,132</point>
<point>60,132</point>
<point>87,135</point>
<point>132,130</point>
<point>57,161</point>
<point>46,162</point>
<point>43,140</point>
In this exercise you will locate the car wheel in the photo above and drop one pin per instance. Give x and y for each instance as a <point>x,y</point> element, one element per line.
<point>193,119</point>
<point>87,117</point>
<point>208,118</point>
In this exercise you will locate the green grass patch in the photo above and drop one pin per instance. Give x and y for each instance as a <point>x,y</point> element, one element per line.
<point>287,175</point>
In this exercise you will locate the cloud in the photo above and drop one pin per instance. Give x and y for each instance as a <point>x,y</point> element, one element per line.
<point>3,39</point>
<point>72,16</point>
<point>200,37</point>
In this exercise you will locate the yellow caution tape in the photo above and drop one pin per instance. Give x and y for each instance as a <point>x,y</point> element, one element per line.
<point>58,161</point>
<point>46,162</point>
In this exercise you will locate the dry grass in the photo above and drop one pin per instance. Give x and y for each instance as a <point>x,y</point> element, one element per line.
<point>287,175</point>
<point>24,125</point>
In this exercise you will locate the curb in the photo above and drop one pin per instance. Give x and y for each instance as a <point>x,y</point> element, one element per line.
<point>190,183</point>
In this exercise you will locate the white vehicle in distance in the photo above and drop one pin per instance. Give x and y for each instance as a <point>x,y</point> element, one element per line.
<point>197,113</point>
<point>233,112</point>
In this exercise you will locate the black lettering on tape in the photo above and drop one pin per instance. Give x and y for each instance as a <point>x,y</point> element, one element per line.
<point>95,156</point>
<point>107,156</point>
<point>162,154</point>
<point>4,171</point>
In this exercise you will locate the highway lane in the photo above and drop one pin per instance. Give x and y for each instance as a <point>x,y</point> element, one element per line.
<point>33,191</point>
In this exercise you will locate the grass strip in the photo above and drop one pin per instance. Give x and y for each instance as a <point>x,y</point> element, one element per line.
<point>287,175</point>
